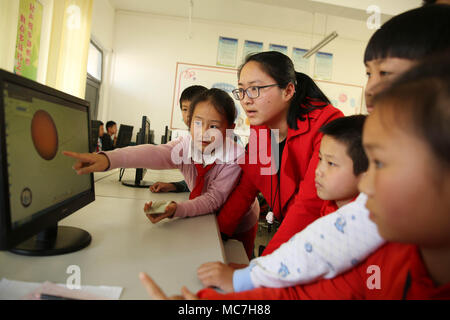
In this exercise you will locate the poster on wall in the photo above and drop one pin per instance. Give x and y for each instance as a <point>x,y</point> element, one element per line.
<point>211,77</point>
<point>277,47</point>
<point>345,97</point>
<point>28,38</point>
<point>323,67</point>
<point>227,52</point>
<point>251,47</point>
<point>300,64</point>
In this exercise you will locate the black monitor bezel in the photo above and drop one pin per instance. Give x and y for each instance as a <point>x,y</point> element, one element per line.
<point>122,132</point>
<point>93,143</point>
<point>143,131</point>
<point>10,237</point>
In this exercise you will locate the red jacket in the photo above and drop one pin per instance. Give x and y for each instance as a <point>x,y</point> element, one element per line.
<point>402,275</point>
<point>329,206</point>
<point>299,202</point>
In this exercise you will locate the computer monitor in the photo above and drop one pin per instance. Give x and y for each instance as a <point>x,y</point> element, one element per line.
<point>152,137</point>
<point>124,136</point>
<point>38,185</point>
<point>142,137</point>
<point>95,128</point>
<point>167,136</point>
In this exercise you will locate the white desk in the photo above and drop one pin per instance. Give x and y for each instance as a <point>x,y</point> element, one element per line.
<point>125,242</point>
<point>110,186</point>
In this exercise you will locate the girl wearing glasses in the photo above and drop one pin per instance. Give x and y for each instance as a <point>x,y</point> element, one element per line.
<point>277,99</point>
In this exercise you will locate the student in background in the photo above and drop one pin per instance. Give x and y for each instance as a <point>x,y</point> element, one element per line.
<point>110,137</point>
<point>206,158</point>
<point>101,132</point>
<point>406,139</point>
<point>342,162</point>
<point>186,98</point>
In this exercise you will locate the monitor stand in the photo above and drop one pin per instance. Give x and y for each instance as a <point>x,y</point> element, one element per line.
<point>54,240</point>
<point>140,184</point>
<point>138,181</point>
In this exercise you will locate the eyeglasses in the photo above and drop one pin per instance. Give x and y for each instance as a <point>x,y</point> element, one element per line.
<point>252,92</point>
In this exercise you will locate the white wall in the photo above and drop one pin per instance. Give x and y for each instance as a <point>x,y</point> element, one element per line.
<point>102,33</point>
<point>147,47</point>
<point>9,12</point>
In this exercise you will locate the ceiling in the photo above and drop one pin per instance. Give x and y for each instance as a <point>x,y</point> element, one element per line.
<point>352,9</point>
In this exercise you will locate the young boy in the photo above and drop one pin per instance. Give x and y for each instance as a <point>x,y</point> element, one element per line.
<point>109,138</point>
<point>342,162</point>
<point>186,98</point>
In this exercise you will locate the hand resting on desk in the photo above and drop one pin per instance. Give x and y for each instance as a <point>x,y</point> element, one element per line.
<point>155,216</point>
<point>162,187</point>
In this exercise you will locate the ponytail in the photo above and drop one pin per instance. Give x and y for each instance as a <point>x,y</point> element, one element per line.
<point>306,92</point>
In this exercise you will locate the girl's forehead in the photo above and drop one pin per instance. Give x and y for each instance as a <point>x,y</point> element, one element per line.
<point>253,72</point>
<point>206,110</point>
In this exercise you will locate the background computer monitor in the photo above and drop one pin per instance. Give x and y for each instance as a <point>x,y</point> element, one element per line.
<point>95,128</point>
<point>124,136</point>
<point>38,185</point>
<point>142,137</point>
<point>167,136</point>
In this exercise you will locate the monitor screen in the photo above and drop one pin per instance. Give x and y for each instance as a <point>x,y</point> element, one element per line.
<point>38,124</point>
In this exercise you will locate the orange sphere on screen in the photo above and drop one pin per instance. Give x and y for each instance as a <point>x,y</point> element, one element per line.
<point>44,134</point>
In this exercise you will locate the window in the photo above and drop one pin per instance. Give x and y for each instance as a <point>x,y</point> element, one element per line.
<point>94,78</point>
<point>95,62</point>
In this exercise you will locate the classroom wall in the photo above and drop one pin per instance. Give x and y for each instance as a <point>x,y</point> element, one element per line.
<point>147,47</point>
<point>9,12</point>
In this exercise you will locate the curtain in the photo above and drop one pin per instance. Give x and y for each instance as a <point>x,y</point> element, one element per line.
<point>69,46</point>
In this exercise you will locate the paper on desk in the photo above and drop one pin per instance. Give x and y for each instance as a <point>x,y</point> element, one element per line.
<point>15,290</point>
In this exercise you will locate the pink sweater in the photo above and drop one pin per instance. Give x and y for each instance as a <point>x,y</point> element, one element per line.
<point>219,181</point>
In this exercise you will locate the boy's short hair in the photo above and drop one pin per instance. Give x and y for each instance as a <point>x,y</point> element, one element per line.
<point>348,130</point>
<point>110,124</point>
<point>412,35</point>
<point>221,101</point>
<point>421,96</point>
<point>189,93</point>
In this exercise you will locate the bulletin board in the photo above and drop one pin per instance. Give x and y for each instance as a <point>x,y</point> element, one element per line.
<point>211,77</point>
<point>345,97</point>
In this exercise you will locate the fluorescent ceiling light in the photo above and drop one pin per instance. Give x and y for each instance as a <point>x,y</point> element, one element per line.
<point>321,44</point>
